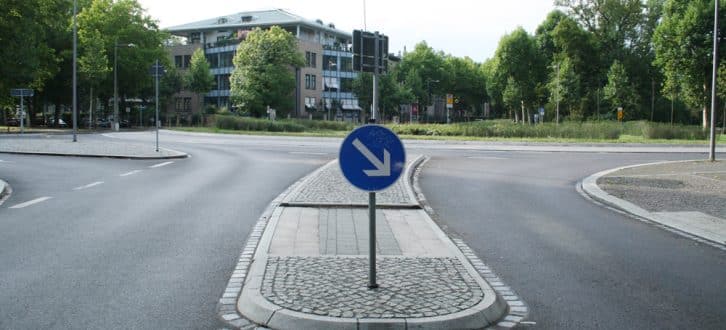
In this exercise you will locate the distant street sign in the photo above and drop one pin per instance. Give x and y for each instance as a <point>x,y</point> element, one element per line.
<point>541,111</point>
<point>364,51</point>
<point>620,114</point>
<point>372,158</point>
<point>157,70</point>
<point>18,92</point>
<point>449,101</point>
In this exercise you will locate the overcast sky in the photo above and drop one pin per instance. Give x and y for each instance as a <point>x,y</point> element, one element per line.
<point>459,27</point>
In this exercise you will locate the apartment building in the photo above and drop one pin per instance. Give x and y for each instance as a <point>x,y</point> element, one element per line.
<point>323,85</point>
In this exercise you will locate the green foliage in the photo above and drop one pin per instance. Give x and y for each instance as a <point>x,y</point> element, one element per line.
<point>262,75</point>
<point>598,130</point>
<point>93,65</point>
<point>232,122</point>
<point>683,47</point>
<point>199,79</point>
<point>619,91</point>
<point>518,68</point>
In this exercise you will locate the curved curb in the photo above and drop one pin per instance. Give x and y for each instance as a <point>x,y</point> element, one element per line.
<point>513,309</point>
<point>181,155</point>
<point>5,191</point>
<point>589,189</point>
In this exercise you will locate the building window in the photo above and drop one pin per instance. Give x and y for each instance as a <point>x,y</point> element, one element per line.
<point>224,82</point>
<point>311,81</point>
<point>182,61</point>
<point>310,104</point>
<point>225,59</point>
<point>311,59</point>
<point>178,104</point>
<point>187,104</point>
<point>346,64</point>
<point>330,63</point>
<point>331,84</point>
<point>195,37</point>
<point>213,60</point>
<point>346,85</point>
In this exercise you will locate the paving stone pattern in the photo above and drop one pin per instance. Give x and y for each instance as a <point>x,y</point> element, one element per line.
<point>345,232</point>
<point>337,287</point>
<point>672,187</point>
<point>330,187</point>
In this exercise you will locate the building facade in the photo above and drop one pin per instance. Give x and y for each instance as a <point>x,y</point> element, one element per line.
<point>323,84</point>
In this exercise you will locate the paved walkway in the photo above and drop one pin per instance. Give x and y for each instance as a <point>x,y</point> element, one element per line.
<point>687,196</point>
<point>86,146</point>
<point>310,268</point>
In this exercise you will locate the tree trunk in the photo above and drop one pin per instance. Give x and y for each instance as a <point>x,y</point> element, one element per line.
<point>90,109</point>
<point>529,117</point>
<point>524,119</point>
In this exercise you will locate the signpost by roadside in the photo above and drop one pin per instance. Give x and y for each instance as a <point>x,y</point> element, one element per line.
<point>22,93</point>
<point>621,114</point>
<point>372,159</point>
<point>157,71</point>
<point>449,106</point>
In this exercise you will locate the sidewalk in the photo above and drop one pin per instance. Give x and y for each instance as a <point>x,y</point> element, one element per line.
<point>86,146</point>
<point>310,268</point>
<point>689,196</point>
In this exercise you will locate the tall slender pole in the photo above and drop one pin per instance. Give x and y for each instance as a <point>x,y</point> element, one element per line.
<point>557,97</point>
<point>115,85</point>
<point>375,80</point>
<point>365,25</point>
<point>156,121</point>
<point>372,284</point>
<point>22,115</point>
<point>712,151</point>
<point>75,73</point>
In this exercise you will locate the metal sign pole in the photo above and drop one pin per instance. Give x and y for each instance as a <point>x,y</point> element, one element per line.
<point>156,121</point>
<point>372,284</point>
<point>22,115</point>
<point>375,80</point>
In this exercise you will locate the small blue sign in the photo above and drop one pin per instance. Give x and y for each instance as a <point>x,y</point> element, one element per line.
<point>372,158</point>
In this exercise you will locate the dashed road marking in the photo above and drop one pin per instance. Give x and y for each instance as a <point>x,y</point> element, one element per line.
<point>88,185</point>
<point>160,165</point>
<point>486,157</point>
<point>308,153</point>
<point>28,203</point>
<point>130,173</point>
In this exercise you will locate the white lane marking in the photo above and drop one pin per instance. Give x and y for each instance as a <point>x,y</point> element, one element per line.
<point>308,153</point>
<point>160,165</point>
<point>485,157</point>
<point>88,185</point>
<point>28,203</point>
<point>130,173</point>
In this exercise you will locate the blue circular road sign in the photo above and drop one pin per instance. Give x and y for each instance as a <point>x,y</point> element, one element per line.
<point>372,158</point>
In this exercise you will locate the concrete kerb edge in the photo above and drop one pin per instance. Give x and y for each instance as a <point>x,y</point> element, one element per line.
<point>5,191</point>
<point>227,308</point>
<point>508,309</point>
<point>589,189</point>
<point>182,155</point>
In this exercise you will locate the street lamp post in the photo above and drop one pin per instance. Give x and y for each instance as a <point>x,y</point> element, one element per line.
<point>116,45</point>
<point>75,79</point>
<point>428,88</point>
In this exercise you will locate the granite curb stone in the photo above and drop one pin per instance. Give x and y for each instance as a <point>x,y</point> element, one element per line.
<point>253,305</point>
<point>590,188</point>
<point>53,146</point>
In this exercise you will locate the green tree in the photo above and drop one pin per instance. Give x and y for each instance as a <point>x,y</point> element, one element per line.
<point>466,82</point>
<point>199,79</point>
<point>93,65</point>
<point>262,75</point>
<point>428,66</point>
<point>619,91</point>
<point>363,90</point>
<point>517,59</point>
<point>512,97</point>
<point>683,47</point>
<point>565,87</point>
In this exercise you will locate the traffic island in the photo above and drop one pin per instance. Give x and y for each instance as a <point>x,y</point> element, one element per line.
<point>57,145</point>
<point>310,268</point>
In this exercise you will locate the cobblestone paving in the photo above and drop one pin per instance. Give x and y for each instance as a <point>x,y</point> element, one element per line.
<point>85,146</point>
<point>337,287</point>
<point>330,187</point>
<point>672,187</point>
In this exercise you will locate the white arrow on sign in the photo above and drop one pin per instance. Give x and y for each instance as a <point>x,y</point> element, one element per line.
<point>382,168</point>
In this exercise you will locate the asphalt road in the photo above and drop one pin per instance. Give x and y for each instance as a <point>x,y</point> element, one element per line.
<point>152,249</point>
<point>122,244</point>
<point>576,264</point>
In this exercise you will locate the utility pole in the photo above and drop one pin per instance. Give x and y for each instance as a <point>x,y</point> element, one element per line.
<point>375,78</point>
<point>712,151</point>
<point>75,78</point>
<point>557,97</point>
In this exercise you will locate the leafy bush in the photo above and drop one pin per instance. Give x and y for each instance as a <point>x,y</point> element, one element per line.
<point>253,124</point>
